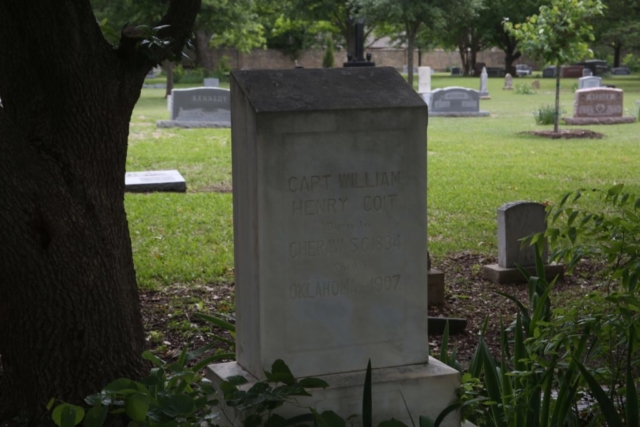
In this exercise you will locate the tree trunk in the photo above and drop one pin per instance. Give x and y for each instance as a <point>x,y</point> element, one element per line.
<point>617,48</point>
<point>350,36</point>
<point>557,112</point>
<point>464,58</point>
<point>410,45</point>
<point>509,58</point>
<point>203,55</point>
<point>69,311</point>
<point>167,66</point>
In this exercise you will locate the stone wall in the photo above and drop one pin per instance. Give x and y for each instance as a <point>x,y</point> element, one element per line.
<point>439,59</point>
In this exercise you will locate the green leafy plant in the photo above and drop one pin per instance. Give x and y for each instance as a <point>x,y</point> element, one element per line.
<point>328,59</point>
<point>222,68</point>
<point>524,89</point>
<point>632,62</point>
<point>545,115</point>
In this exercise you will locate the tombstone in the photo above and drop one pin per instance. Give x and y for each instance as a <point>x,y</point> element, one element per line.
<point>508,82</point>
<point>484,91</point>
<point>200,107</point>
<point>151,181</point>
<point>435,284</point>
<point>495,72</point>
<point>589,81</point>
<point>211,82</point>
<point>586,72</point>
<point>549,72</point>
<point>516,221</point>
<point>330,238</point>
<point>456,71</point>
<point>169,106</point>
<point>598,105</point>
<point>424,83</point>
<point>572,71</point>
<point>535,84</point>
<point>456,102</point>
<point>621,71</point>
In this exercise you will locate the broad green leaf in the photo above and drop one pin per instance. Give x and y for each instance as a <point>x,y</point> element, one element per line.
<point>136,406</point>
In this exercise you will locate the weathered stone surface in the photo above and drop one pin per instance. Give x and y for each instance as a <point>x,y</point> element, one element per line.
<point>508,82</point>
<point>497,274</point>
<point>436,287</point>
<point>549,72</point>
<point>192,124</point>
<point>424,80</point>
<point>572,71</point>
<point>515,221</point>
<point>455,102</point>
<point>201,104</point>
<point>589,81</point>
<point>484,90</point>
<point>535,84</point>
<point>211,82</point>
<point>621,71</point>
<point>598,102</point>
<point>150,181</point>
<point>403,393</point>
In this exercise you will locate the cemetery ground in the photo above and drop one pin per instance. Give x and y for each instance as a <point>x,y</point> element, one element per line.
<point>183,243</point>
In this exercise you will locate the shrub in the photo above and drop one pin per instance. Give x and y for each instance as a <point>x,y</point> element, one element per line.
<point>328,58</point>
<point>223,68</point>
<point>546,115</point>
<point>631,61</point>
<point>178,72</point>
<point>524,89</point>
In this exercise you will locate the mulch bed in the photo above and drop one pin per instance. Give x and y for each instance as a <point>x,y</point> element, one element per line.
<point>566,134</point>
<point>170,324</point>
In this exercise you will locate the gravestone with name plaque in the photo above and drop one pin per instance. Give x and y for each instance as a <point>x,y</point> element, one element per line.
<point>598,105</point>
<point>200,107</point>
<point>329,181</point>
<point>589,81</point>
<point>456,102</point>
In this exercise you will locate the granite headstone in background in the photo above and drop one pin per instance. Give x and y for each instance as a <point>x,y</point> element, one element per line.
<point>424,83</point>
<point>456,102</point>
<point>199,107</point>
<point>535,84</point>
<point>589,81</point>
<point>151,181</point>
<point>456,71</point>
<point>598,105</point>
<point>484,90</point>
<point>549,72</point>
<point>572,71</point>
<point>621,71</point>
<point>211,82</point>
<point>586,72</point>
<point>508,82</point>
<point>516,221</point>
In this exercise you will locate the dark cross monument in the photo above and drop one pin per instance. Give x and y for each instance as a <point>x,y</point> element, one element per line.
<point>359,60</point>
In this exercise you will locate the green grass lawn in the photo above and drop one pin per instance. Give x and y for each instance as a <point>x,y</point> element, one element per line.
<point>474,166</point>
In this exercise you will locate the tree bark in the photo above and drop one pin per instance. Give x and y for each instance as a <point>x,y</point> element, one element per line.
<point>69,311</point>
<point>617,49</point>
<point>556,116</point>
<point>202,52</point>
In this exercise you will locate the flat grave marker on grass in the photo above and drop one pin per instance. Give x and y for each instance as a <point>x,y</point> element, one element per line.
<point>151,181</point>
<point>199,107</point>
<point>330,237</point>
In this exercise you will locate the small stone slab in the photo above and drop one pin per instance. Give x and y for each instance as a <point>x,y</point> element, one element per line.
<point>151,181</point>
<point>435,281</point>
<point>501,275</point>
<point>191,125</point>
<point>598,120</point>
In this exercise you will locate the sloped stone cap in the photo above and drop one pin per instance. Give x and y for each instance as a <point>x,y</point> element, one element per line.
<point>324,89</point>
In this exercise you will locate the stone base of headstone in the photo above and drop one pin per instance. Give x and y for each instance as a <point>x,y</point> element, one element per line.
<point>426,97</point>
<point>152,181</point>
<point>485,96</point>
<point>435,282</point>
<point>598,120</point>
<point>437,324</point>
<point>190,124</point>
<point>497,274</point>
<point>463,114</point>
<point>424,389</point>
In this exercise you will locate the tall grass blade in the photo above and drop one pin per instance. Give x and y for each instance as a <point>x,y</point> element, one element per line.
<point>632,393</point>
<point>367,406</point>
<point>444,356</point>
<point>492,383</point>
<point>606,405</point>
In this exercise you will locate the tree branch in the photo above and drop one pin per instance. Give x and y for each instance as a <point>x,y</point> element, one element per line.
<point>178,24</point>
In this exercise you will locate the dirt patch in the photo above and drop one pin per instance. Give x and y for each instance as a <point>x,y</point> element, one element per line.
<point>566,134</point>
<point>170,323</point>
<point>215,188</point>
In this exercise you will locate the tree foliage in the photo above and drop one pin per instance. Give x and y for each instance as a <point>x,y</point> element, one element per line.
<point>559,34</point>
